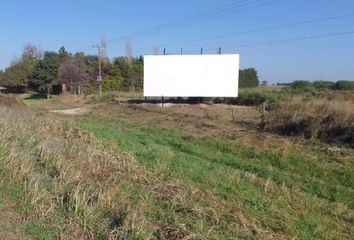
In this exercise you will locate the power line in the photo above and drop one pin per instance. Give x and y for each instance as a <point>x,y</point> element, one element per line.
<point>267,28</point>
<point>278,41</point>
<point>201,17</point>
<point>189,18</point>
<point>259,30</point>
<point>178,21</point>
<point>291,39</point>
<point>206,18</point>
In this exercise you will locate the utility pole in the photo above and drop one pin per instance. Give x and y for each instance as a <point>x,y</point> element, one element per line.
<point>99,78</point>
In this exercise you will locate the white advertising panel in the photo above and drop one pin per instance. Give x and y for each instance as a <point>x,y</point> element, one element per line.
<point>191,75</point>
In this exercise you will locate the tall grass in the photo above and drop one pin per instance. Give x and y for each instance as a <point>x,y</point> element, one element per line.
<point>330,120</point>
<point>130,181</point>
<point>290,193</point>
<point>85,190</point>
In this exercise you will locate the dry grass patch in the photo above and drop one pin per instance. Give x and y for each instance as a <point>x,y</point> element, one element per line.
<point>8,100</point>
<point>329,120</point>
<point>97,193</point>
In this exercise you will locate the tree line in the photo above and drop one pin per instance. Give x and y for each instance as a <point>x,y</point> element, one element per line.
<point>46,72</point>
<point>307,86</point>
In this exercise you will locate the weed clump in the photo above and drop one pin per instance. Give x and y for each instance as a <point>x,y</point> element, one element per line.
<point>328,120</point>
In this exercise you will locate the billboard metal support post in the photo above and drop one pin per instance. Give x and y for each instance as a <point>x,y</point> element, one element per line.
<point>233,114</point>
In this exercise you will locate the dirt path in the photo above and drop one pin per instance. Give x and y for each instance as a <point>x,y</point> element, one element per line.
<point>9,221</point>
<point>73,111</point>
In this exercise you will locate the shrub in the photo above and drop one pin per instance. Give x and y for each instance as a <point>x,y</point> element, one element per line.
<point>323,84</point>
<point>302,86</point>
<point>344,85</point>
<point>252,98</point>
<point>93,89</point>
<point>112,84</point>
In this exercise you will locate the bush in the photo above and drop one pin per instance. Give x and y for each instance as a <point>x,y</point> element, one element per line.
<point>302,86</point>
<point>323,84</point>
<point>92,89</point>
<point>112,84</point>
<point>344,85</point>
<point>250,98</point>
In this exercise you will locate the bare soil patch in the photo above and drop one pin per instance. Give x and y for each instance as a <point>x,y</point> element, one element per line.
<point>73,111</point>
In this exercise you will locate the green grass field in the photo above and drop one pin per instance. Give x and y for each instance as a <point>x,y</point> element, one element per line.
<point>296,193</point>
<point>186,172</point>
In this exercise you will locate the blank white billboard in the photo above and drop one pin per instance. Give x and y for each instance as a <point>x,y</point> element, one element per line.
<point>191,75</point>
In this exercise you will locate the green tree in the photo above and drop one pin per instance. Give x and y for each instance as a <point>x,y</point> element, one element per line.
<point>248,78</point>
<point>1,77</point>
<point>137,76</point>
<point>63,54</point>
<point>126,71</point>
<point>16,76</point>
<point>44,74</point>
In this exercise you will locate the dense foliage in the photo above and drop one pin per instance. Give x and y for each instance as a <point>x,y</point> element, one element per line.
<point>248,78</point>
<point>323,84</point>
<point>302,86</point>
<point>344,85</point>
<point>43,72</point>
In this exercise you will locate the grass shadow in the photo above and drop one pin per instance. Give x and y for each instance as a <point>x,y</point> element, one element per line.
<point>34,96</point>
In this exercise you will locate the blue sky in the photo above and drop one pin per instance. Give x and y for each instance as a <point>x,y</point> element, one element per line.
<point>78,24</point>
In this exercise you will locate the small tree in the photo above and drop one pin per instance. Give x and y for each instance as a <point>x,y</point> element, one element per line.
<point>73,74</point>
<point>63,54</point>
<point>248,78</point>
<point>1,76</point>
<point>31,53</point>
<point>137,76</point>
<point>44,74</point>
<point>125,70</point>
